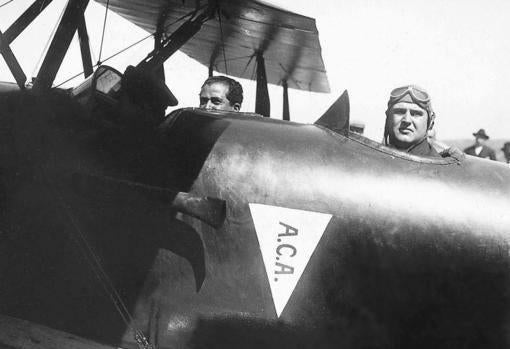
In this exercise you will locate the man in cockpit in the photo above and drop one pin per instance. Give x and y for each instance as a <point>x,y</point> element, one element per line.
<point>221,93</point>
<point>409,117</point>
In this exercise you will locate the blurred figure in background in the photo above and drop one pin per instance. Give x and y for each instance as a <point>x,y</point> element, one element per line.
<point>357,127</point>
<point>506,152</point>
<point>479,149</point>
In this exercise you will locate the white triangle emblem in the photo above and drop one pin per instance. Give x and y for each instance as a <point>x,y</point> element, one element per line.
<point>287,239</point>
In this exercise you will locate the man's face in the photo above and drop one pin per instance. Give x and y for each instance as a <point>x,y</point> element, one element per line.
<point>480,140</point>
<point>408,124</point>
<point>214,96</point>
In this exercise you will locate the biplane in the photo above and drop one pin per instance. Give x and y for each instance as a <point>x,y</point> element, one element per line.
<point>124,227</point>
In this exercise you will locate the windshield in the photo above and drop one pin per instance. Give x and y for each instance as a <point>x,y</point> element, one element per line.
<point>108,82</point>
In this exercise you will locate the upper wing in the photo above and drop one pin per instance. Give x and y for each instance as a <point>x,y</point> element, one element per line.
<point>289,42</point>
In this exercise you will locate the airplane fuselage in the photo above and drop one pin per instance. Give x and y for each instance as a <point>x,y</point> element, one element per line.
<point>327,240</point>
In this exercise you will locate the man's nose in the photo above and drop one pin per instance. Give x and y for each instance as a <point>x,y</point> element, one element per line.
<point>209,105</point>
<point>407,116</point>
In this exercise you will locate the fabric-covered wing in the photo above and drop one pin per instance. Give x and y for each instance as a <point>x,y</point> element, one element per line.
<point>289,42</point>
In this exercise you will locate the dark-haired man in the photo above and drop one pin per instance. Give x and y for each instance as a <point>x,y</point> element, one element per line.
<point>409,117</point>
<point>221,93</point>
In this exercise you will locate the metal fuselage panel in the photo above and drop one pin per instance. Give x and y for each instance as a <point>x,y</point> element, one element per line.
<point>414,246</point>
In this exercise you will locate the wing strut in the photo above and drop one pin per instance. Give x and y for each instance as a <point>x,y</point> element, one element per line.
<point>262,103</point>
<point>12,62</point>
<point>25,19</point>
<point>84,46</point>
<point>286,111</point>
<point>12,33</point>
<point>158,41</point>
<point>175,41</point>
<point>211,69</point>
<point>60,43</point>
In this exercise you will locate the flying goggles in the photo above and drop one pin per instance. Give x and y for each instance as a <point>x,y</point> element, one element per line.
<point>415,92</point>
<point>415,95</point>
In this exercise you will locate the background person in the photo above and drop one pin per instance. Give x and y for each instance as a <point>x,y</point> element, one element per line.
<point>479,149</point>
<point>506,152</point>
<point>357,127</point>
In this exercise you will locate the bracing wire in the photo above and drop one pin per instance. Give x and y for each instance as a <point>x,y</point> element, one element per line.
<point>6,3</point>
<point>102,35</point>
<point>254,71</point>
<point>289,77</point>
<point>42,5</point>
<point>127,48</point>
<point>248,64</point>
<point>46,47</point>
<point>107,58</point>
<point>93,260</point>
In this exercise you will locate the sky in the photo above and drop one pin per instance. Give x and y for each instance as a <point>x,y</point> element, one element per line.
<point>458,50</point>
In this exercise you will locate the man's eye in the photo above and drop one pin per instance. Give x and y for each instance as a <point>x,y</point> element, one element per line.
<point>216,101</point>
<point>203,101</point>
<point>416,113</point>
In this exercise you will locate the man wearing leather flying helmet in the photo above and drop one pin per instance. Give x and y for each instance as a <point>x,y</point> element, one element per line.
<point>409,117</point>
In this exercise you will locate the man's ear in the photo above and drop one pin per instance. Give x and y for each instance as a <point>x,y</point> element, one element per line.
<point>237,106</point>
<point>432,120</point>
